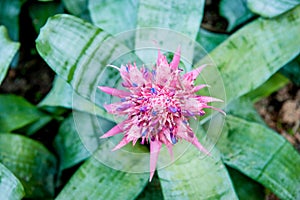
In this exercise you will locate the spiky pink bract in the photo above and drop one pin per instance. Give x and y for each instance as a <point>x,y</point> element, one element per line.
<point>158,104</point>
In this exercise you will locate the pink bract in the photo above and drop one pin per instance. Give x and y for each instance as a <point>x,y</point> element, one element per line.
<point>158,104</point>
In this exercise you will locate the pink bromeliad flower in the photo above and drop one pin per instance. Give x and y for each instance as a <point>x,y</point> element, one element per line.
<point>158,104</point>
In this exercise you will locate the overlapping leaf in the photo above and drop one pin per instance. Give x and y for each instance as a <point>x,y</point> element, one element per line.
<point>263,155</point>
<point>31,163</point>
<point>8,49</point>
<point>10,187</point>
<point>247,60</point>
<point>267,8</point>
<point>16,113</point>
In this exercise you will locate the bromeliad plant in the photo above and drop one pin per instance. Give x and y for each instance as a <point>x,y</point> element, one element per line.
<point>158,104</point>
<point>246,157</point>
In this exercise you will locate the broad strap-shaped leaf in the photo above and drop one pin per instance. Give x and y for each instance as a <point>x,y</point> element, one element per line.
<point>16,112</point>
<point>80,52</point>
<point>261,154</point>
<point>209,40</point>
<point>63,95</point>
<point>10,187</point>
<point>246,60</point>
<point>78,137</point>
<point>68,145</point>
<point>273,84</point>
<point>31,163</point>
<point>94,180</point>
<point>243,108</point>
<point>235,11</point>
<point>8,49</point>
<point>114,16</point>
<point>195,175</point>
<point>182,16</point>
<point>246,188</point>
<point>271,8</point>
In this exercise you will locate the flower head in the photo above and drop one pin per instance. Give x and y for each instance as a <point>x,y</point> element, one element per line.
<point>158,104</point>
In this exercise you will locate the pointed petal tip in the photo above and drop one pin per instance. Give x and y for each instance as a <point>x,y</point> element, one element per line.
<point>151,176</point>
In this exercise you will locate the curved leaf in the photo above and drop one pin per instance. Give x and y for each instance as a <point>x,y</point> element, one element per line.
<point>10,186</point>
<point>236,12</point>
<point>267,8</point>
<point>196,176</point>
<point>263,155</point>
<point>62,95</point>
<point>182,16</point>
<point>76,7</point>
<point>82,63</point>
<point>67,142</point>
<point>292,70</point>
<point>108,16</point>
<point>8,49</point>
<point>273,84</point>
<point>210,40</point>
<point>94,180</point>
<point>16,112</point>
<point>247,60</point>
<point>246,188</point>
<point>31,162</point>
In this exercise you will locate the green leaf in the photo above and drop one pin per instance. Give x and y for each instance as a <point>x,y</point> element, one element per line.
<point>292,70</point>
<point>82,64</point>
<point>243,108</point>
<point>10,186</point>
<point>273,8</point>
<point>9,16</point>
<point>209,40</point>
<point>263,155</point>
<point>62,95</point>
<point>196,176</point>
<point>41,11</point>
<point>7,51</point>
<point>273,84</point>
<point>236,12</point>
<point>95,180</point>
<point>16,113</point>
<point>246,188</point>
<point>182,16</point>
<point>76,7</point>
<point>68,144</point>
<point>245,61</point>
<point>152,191</point>
<point>114,16</point>
<point>31,163</point>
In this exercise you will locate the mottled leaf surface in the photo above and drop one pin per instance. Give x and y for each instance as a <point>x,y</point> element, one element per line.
<point>31,163</point>
<point>263,155</point>
<point>8,49</point>
<point>10,187</point>
<point>267,8</point>
<point>245,60</point>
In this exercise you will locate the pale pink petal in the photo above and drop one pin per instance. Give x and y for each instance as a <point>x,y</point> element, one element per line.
<point>114,92</point>
<point>206,99</point>
<point>217,109</point>
<point>199,87</point>
<point>155,147</point>
<point>176,59</point>
<point>192,75</point>
<point>114,131</point>
<point>197,144</point>
<point>122,143</point>
<point>161,60</point>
